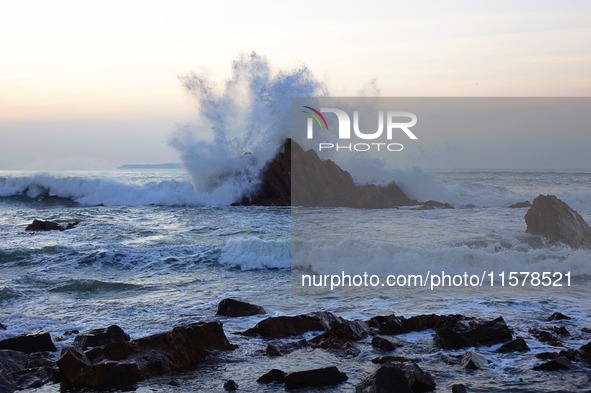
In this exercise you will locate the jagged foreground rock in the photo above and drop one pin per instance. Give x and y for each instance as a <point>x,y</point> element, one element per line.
<point>301,178</point>
<point>123,363</point>
<point>558,222</point>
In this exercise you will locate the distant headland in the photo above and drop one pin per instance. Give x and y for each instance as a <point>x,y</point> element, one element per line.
<point>170,165</point>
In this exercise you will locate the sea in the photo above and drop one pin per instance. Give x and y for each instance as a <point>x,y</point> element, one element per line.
<point>151,252</point>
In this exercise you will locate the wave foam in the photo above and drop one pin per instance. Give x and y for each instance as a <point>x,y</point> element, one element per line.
<point>240,128</point>
<point>253,254</point>
<point>388,258</point>
<point>107,192</point>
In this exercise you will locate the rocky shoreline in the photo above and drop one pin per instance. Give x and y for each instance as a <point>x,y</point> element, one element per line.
<point>108,358</point>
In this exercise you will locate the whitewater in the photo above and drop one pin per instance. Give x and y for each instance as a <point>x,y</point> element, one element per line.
<point>150,252</point>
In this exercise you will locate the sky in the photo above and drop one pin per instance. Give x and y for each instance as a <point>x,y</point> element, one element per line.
<point>94,85</point>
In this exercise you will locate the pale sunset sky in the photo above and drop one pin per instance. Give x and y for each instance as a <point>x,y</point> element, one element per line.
<point>93,84</point>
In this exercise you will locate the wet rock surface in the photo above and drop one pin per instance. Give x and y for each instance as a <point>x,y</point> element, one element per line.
<point>472,332</point>
<point>560,363</point>
<point>384,379</point>
<point>326,376</point>
<point>22,371</point>
<point>395,376</point>
<point>273,376</point>
<point>301,178</point>
<point>230,385</point>
<point>520,205</point>
<point>99,337</point>
<point>473,361</point>
<point>236,308</point>
<point>458,388</point>
<point>280,349</point>
<point>558,316</point>
<point>123,363</point>
<point>558,222</point>
<point>40,225</point>
<point>341,337</point>
<point>106,358</point>
<point>30,343</point>
<point>546,336</point>
<point>431,204</point>
<point>385,343</point>
<point>288,326</point>
<point>516,345</point>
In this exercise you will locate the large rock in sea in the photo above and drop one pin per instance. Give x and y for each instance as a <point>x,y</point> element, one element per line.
<point>301,178</point>
<point>119,364</point>
<point>558,222</point>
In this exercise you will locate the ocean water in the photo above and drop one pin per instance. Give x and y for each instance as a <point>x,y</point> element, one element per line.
<point>150,253</point>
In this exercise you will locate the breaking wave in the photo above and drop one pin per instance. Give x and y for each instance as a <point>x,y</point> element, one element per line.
<point>240,126</point>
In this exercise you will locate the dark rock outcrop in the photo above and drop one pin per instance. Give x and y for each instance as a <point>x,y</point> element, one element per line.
<point>475,332</point>
<point>452,360</point>
<point>385,343</point>
<point>21,371</point>
<point>280,349</point>
<point>520,205</point>
<point>545,336</point>
<point>558,222</point>
<point>99,337</point>
<point>473,361</point>
<point>341,336</point>
<point>301,178</point>
<point>560,363</point>
<point>417,379</point>
<point>326,376</point>
<point>230,385</point>
<point>11,362</point>
<point>451,331</point>
<point>405,376</point>
<point>237,308</point>
<point>40,225</point>
<point>30,343</point>
<point>560,330</point>
<point>570,354</point>
<point>390,359</point>
<point>275,180</point>
<point>557,316</point>
<point>122,363</point>
<point>516,345</point>
<point>393,324</point>
<point>273,376</point>
<point>458,388</point>
<point>385,379</point>
<point>431,204</point>
<point>287,326</point>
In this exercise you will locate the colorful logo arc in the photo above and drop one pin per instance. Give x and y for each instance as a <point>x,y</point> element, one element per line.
<point>317,116</point>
